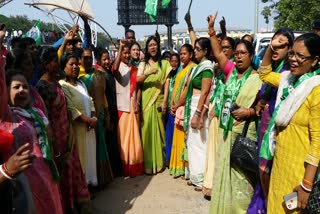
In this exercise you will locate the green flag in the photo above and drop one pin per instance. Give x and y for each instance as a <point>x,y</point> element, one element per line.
<point>165,3</point>
<point>151,9</point>
<point>34,33</point>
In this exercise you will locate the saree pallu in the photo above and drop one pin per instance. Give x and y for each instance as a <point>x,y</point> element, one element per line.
<point>197,146</point>
<point>152,129</point>
<point>130,143</point>
<point>211,154</point>
<point>232,189</point>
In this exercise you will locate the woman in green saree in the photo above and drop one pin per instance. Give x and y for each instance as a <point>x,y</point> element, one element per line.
<point>153,74</point>
<point>232,189</point>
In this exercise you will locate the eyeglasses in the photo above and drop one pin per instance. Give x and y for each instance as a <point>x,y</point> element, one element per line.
<point>299,57</point>
<point>240,53</point>
<point>225,47</point>
<point>198,49</point>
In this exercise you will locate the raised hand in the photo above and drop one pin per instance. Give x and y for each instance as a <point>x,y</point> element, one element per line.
<point>211,19</point>
<point>279,42</point>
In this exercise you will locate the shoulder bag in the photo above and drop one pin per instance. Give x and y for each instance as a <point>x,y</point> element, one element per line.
<point>244,153</point>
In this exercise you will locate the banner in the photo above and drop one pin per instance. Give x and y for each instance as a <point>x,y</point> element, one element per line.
<point>35,33</point>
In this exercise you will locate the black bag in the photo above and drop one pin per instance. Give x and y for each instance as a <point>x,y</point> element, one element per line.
<point>244,153</point>
<point>313,205</point>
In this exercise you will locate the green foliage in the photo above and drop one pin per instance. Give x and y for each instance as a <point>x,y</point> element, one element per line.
<point>295,14</point>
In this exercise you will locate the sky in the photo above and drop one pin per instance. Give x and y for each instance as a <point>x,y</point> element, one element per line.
<point>237,14</point>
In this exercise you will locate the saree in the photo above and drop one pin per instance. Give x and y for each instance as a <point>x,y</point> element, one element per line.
<point>79,102</point>
<point>128,130</point>
<point>95,83</point>
<point>232,189</point>
<point>152,129</point>
<point>170,117</point>
<point>73,186</point>
<point>196,140</point>
<point>177,162</point>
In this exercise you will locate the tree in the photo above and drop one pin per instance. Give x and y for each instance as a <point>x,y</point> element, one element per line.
<point>295,14</point>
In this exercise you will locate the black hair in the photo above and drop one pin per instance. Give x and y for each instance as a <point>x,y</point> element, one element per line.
<point>99,51</point>
<point>205,45</point>
<point>66,58</point>
<point>247,35</point>
<point>248,45</point>
<point>312,42</point>
<point>163,55</point>
<point>11,73</point>
<point>147,55</point>
<point>188,47</point>
<point>15,42</point>
<point>24,42</point>
<point>135,43</point>
<point>15,58</point>
<point>231,41</point>
<point>48,55</point>
<point>129,31</point>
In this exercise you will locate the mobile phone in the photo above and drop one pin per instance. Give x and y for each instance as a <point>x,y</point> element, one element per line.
<point>291,200</point>
<point>159,109</point>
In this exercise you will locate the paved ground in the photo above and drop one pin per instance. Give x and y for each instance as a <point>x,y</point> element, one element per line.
<point>150,194</point>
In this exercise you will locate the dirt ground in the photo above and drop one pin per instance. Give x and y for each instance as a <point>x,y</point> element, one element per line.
<point>150,194</point>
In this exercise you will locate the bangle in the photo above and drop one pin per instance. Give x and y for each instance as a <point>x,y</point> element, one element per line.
<point>212,33</point>
<point>271,48</point>
<point>305,188</point>
<point>7,171</point>
<point>205,106</point>
<point>307,182</point>
<point>4,173</point>
<point>199,111</point>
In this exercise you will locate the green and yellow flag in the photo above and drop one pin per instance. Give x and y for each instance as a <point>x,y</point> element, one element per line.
<point>34,33</point>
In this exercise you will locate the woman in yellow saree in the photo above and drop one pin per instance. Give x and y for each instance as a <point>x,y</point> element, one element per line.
<point>153,74</point>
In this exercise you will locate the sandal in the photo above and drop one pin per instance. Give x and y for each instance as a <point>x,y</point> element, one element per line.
<point>198,189</point>
<point>189,183</point>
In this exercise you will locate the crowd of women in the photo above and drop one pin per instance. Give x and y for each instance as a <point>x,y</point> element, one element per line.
<point>81,124</point>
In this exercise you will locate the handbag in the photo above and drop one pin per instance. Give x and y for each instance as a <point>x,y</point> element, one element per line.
<point>313,205</point>
<point>244,153</point>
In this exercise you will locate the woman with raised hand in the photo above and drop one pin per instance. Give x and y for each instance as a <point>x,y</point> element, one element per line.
<point>153,74</point>
<point>232,188</point>
<point>177,102</point>
<point>196,123</point>
<point>128,127</point>
<point>265,109</point>
<point>83,119</point>
<point>292,137</point>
